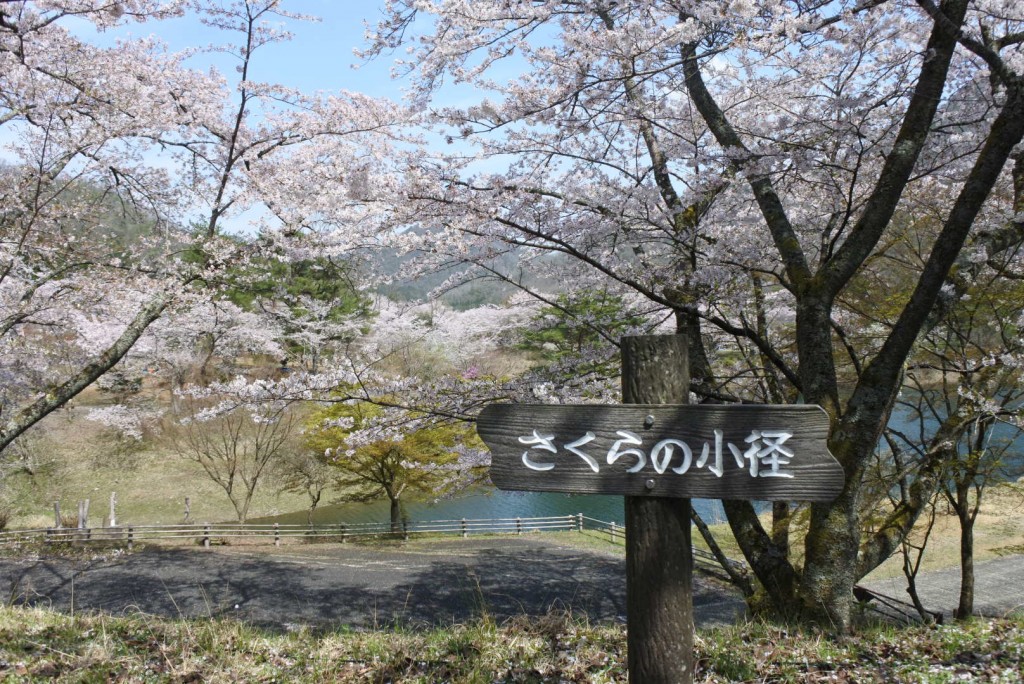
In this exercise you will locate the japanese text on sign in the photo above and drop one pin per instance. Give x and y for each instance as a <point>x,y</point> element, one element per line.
<point>764,453</point>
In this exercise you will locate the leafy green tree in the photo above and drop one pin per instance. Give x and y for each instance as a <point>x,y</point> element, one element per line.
<point>374,460</point>
<point>576,321</point>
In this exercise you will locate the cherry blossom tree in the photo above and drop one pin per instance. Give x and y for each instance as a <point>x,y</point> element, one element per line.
<point>742,165</point>
<point>100,134</point>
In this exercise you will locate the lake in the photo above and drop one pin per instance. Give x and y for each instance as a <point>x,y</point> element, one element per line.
<point>481,503</point>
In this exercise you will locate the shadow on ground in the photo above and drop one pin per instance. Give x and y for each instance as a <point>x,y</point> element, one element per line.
<point>351,586</point>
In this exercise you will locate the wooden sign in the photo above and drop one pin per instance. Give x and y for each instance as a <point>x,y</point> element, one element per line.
<point>748,451</point>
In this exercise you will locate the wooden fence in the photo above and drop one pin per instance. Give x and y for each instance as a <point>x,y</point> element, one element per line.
<point>208,533</point>
<point>261,533</point>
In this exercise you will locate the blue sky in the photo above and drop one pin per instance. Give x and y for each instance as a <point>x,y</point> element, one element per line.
<point>320,57</point>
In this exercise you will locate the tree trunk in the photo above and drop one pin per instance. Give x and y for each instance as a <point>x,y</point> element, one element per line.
<point>770,565</point>
<point>314,502</point>
<point>965,607</point>
<point>782,516</point>
<point>396,513</point>
<point>831,545</point>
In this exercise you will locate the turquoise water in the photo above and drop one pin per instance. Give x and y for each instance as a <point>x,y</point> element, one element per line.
<point>494,504</point>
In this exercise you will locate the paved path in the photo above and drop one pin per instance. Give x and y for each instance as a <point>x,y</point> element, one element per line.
<point>437,582</point>
<point>352,585</point>
<point>998,587</point>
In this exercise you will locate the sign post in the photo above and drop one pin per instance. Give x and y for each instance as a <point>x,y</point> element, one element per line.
<point>659,556</point>
<point>659,452</point>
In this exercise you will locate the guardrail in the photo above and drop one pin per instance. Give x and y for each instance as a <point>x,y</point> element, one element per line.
<point>212,533</point>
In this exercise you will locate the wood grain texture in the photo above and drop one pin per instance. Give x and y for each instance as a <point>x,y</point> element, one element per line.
<point>816,474</point>
<point>659,564</point>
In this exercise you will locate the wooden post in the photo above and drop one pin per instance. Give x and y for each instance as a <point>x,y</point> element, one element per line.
<point>277,534</point>
<point>611,532</point>
<point>206,535</point>
<point>464,533</point>
<point>131,537</point>
<point>519,526</point>
<point>56,514</point>
<point>579,522</point>
<point>113,512</point>
<point>659,560</point>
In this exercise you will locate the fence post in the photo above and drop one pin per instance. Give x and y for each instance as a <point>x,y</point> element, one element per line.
<point>612,532</point>
<point>464,533</point>
<point>519,525</point>
<point>277,534</point>
<point>56,513</point>
<point>405,530</point>
<point>344,532</point>
<point>131,537</point>
<point>206,535</point>
<point>579,522</point>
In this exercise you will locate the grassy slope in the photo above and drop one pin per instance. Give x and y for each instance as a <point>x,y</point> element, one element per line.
<point>83,460</point>
<point>39,645</point>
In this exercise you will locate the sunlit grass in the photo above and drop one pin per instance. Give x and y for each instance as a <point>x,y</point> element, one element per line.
<point>37,645</point>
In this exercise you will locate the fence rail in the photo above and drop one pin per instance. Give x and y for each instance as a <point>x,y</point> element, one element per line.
<point>208,532</point>
<point>211,533</point>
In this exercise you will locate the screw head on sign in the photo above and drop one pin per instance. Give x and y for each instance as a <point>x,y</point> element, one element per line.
<point>649,484</point>
<point>649,422</point>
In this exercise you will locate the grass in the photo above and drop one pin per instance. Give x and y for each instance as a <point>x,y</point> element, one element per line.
<point>78,459</point>
<point>40,645</point>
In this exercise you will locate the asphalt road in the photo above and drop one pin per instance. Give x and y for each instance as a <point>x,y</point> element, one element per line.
<point>346,585</point>
<point>421,583</point>
<point>998,587</point>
